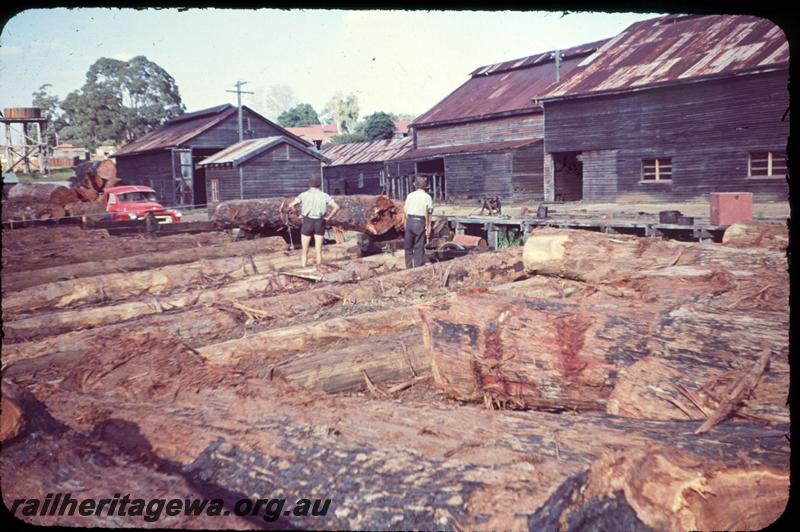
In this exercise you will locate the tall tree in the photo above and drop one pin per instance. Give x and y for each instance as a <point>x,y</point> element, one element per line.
<point>342,111</point>
<point>51,107</point>
<point>120,101</point>
<point>378,126</point>
<point>299,115</point>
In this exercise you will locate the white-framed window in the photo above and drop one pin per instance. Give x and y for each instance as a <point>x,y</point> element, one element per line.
<point>215,190</point>
<point>361,180</point>
<point>659,169</point>
<point>766,164</point>
<point>382,178</point>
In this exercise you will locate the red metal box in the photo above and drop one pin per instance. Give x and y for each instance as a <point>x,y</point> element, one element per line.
<point>730,207</point>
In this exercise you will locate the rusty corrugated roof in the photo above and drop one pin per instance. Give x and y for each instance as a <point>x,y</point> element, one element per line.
<point>424,153</point>
<point>505,87</point>
<point>678,48</point>
<point>366,152</point>
<point>178,130</point>
<point>245,150</point>
<point>321,132</point>
<point>183,128</point>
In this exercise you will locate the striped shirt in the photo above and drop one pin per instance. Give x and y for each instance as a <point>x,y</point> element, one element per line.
<point>314,203</point>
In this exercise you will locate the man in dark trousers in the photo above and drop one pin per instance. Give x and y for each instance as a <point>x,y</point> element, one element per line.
<point>418,209</point>
<point>314,204</point>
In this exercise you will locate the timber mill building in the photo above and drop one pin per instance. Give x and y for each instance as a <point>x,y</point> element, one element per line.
<point>167,158</point>
<point>670,109</point>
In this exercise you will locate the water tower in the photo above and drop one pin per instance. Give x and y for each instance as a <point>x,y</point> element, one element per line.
<point>25,137</point>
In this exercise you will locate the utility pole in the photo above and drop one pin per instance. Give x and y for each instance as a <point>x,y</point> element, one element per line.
<point>239,93</point>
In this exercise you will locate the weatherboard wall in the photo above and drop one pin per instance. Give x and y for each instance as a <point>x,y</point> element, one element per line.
<point>478,131</point>
<point>707,128</point>
<point>345,178</point>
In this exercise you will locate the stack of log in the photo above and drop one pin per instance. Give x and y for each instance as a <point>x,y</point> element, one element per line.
<point>668,330</point>
<point>43,201</point>
<point>373,215</point>
<point>93,177</point>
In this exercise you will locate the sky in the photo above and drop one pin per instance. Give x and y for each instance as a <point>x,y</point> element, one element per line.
<point>393,61</point>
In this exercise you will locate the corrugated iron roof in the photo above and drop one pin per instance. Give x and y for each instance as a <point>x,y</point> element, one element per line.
<point>183,128</point>
<point>424,153</point>
<point>507,86</point>
<point>241,152</point>
<point>678,48</point>
<point>178,130</point>
<point>366,152</point>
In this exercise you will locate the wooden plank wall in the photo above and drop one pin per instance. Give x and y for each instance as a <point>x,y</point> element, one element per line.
<point>149,169</point>
<point>475,176</point>
<point>520,127</point>
<point>707,129</point>
<point>349,173</point>
<point>272,174</point>
<point>527,177</point>
<point>226,133</point>
<point>597,166</point>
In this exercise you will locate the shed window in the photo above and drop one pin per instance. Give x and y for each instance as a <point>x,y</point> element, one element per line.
<point>215,190</point>
<point>657,169</point>
<point>361,180</point>
<point>767,164</point>
<point>382,178</point>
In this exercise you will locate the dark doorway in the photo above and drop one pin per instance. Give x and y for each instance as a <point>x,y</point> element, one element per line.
<point>568,176</point>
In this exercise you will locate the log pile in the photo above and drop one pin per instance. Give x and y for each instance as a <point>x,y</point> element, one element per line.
<point>632,383</point>
<point>373,215</point>
<point>93,177</point>
<point>43,201</point>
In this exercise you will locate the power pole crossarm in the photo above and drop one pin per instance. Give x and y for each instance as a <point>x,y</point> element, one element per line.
<point>239,93</point>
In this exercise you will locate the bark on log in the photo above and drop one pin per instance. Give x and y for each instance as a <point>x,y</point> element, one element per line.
<point>332,355</point>
<point>256,286</point>
<point>20,280</point>
<point>120,286</point>
<point>18,211</point>
<point>757,235</point>
<point>598,257</point>
<point>48,193</point>
<point>95,173</point>
<point>563,354</point>
<point>663,488</point>
<point>374,215</point>
<point>12,423</point>
<point>426,466</point>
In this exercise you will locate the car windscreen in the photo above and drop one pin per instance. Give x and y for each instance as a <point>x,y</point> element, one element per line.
<point>137,196</point>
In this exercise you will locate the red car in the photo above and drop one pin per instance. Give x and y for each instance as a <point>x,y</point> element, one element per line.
<point>136,203</point>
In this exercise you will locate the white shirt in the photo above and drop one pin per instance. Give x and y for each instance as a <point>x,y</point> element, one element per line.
<point>314,203</point>
<point>418,203</point>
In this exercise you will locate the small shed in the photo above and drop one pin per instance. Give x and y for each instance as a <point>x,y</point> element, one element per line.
<point>260,168</point>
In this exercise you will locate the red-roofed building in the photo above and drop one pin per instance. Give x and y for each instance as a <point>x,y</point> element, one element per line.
<point>671,109</point>
<point>317,134</point>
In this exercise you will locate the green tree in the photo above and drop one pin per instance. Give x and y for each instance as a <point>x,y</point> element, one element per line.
<point>51,107</point>
<point>342,111</point>
<point>378,126</point>
<point>120,101</point>
<point>299,115</point>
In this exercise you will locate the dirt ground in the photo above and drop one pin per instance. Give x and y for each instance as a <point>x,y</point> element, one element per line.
<point>113,376</point>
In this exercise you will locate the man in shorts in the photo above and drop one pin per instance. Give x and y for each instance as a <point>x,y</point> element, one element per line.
<point>314,204</point>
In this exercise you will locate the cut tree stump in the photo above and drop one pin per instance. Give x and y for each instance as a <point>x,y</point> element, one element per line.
<point>751,234</point>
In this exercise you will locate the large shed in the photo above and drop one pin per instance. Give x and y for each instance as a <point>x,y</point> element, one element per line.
<point>260,168</point>
<point>166,158</point>
<point>485,138</point>
<point>671,109</point>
